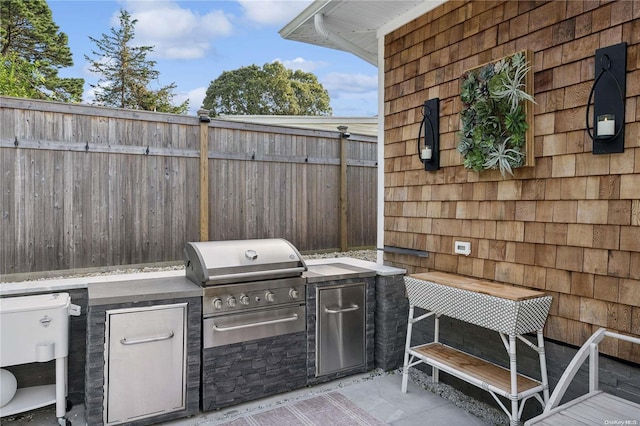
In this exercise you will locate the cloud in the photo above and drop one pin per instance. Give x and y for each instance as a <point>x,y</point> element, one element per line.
<point>176,32</point>
<point>344,83</point>
<point>195,96</point>
<point>301,64</point>
<point>272,12</point>
<point>89,95</point>
<point>352,94</point>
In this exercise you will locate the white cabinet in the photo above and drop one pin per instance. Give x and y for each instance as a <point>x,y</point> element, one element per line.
<point>145,362</point>
<point>36,329</point>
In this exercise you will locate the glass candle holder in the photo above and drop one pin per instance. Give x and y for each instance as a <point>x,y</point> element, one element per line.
<point>606,125</point>
<point>427,153</point>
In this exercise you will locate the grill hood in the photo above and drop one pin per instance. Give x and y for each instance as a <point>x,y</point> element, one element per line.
<point>235,261</point>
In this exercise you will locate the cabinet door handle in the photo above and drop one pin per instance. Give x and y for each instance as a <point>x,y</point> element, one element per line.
<point>294,317</point>
<point>124,340</point>
<point>338,310</point>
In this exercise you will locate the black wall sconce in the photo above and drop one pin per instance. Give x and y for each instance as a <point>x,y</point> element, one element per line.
<point>608,94</point>
<point>429,133</point>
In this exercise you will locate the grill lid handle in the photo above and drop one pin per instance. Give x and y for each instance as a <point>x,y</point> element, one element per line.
<point>251,254</point>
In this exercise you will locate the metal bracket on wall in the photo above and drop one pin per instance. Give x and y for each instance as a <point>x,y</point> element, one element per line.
<point>430,134</point>
<point>611,62</point>
<point>402,250</point>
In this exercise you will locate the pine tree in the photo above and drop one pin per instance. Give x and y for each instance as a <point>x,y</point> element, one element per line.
<point>127,73</point>
<point>32,50</point>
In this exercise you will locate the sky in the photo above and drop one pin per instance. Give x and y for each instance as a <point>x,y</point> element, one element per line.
<point>195,41</point>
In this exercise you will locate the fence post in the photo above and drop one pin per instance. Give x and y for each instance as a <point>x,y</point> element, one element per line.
<point>344,202</point>
<point>203,118</point>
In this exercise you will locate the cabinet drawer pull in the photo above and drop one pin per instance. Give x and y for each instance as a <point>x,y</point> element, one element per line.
<point>339,310</point>
<point>294,317</point>
<point>124,340</point>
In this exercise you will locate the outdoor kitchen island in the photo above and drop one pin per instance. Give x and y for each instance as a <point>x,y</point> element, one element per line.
<point>143,351</point>
<point>340,321</point>
<point>120,303</point>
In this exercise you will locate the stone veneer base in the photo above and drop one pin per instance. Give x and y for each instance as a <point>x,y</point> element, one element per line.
<point>94,369</point>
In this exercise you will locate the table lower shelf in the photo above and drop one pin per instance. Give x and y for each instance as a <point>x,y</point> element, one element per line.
<point>30,398</point>
<point>474,370</point>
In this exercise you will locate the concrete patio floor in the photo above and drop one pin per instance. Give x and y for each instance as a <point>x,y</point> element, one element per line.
<point>376,392</point>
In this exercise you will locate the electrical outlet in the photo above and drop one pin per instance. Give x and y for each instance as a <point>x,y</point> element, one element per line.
<point>462,247</point>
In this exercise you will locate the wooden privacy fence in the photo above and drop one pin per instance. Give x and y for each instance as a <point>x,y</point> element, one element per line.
<point>86,186</point>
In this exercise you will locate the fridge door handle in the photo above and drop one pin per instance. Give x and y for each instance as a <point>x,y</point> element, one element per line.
<point>340,310</point>
<point>126,341</point>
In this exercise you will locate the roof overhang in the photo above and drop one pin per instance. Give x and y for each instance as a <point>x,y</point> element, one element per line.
<point>354,26</point>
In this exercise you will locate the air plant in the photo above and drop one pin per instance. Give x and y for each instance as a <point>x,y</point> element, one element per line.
<point>503,158</point>
<point>512,83</point>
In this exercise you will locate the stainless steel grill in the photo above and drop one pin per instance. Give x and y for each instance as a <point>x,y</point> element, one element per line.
<point>252,289</point>
<point>245,275</point>
<point>227,262</point>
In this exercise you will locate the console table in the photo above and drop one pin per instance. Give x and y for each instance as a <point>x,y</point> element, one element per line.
<point>510,311</point>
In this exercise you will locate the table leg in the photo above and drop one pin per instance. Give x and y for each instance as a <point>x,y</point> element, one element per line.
<point>513,367</point>
<point>435,373</point>
<point>407,346</point>
<point>543,367</point>
<point>61,388</point>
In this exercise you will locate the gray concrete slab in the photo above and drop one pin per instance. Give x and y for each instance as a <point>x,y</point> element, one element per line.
<point>376,392</point>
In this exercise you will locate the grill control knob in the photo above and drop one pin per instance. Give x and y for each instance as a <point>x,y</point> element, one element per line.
<point>244,299</point>
<point>293,293</point>
<point>231,301</point>
<point>216,303</point>
<point>270,296</point>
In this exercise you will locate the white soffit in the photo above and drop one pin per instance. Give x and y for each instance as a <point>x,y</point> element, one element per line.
<point>354,25</point>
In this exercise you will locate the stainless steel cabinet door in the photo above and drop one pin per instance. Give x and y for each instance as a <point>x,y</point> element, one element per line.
<point>145,362</point>
<point>340,331</point>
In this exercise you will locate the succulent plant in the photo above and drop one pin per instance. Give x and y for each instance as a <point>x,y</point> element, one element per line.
<point>493,118</point>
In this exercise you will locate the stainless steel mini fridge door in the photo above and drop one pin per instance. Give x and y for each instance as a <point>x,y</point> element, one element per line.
<point>146,362</point>
<point>340,329</point>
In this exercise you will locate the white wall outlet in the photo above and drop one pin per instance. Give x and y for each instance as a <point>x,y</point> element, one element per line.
<point>462,247</point>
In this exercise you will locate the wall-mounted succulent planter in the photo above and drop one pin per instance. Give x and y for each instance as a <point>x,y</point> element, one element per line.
<point>497,115</point>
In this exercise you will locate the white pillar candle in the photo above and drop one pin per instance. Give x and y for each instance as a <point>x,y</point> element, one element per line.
<point>427,152</point>
<point>606,125</point>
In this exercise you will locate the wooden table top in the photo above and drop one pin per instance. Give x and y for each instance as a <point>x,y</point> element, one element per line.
<point>479,286</point>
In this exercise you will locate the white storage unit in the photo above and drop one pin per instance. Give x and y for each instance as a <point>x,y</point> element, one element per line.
<point>145,362</point>
<point>36,329</point>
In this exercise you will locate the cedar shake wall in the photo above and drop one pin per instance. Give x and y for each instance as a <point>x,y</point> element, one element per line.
<point>570,225</point>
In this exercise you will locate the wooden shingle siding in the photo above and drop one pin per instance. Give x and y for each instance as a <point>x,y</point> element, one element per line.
<point>570,224</point>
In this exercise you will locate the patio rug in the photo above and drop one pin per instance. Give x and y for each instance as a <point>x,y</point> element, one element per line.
<point>332,409</point>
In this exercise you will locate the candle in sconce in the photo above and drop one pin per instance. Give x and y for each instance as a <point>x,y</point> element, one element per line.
<point>427,153</point>
<point>606,125</point>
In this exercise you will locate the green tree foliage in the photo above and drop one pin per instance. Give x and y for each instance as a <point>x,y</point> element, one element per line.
<point>270,90</point>
<point>32,50</point>
<point>127,73</point>
<point>19,78</point>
